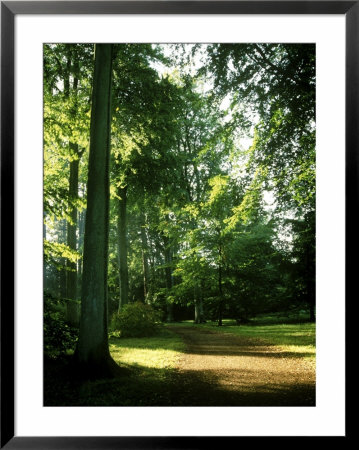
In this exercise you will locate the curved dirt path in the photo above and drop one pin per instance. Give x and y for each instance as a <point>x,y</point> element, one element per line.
<point>227,370</point>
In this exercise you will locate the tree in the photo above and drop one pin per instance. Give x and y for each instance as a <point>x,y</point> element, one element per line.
<point>272,88</point>
<point>201,152</point>
<point>277,83</point>
<point>272,92</point>
<point>75,156</point>
<point>302,266</point>
<point>142,131</point>
<point>92,352</point>
<point>122,245</point>
<point>66,103</point>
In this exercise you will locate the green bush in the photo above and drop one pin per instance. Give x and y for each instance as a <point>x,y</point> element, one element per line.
<point>58,335</point>
<point>136,320</point>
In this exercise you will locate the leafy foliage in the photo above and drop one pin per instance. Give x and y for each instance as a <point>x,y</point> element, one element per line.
<point>136,320</point>
<point>276,83</point>
<point>213,159</point>
<point>58,335</point>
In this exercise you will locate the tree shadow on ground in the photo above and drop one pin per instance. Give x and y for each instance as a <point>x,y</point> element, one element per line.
<point>262,351</point>
<point>207,342</point>
<point>207,389</point>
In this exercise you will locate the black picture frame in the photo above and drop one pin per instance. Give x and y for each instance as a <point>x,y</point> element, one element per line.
<point>9,9</point>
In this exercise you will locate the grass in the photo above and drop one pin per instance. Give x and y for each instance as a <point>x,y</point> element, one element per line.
<point>293,338</point>
<point>151,361</point>
<point>157,352</point>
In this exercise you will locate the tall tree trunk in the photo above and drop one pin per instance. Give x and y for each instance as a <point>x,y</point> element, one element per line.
<point>45,280</point>
<point>44,227</point>
<point>146,269</point>
<point>220,306</point>
<point>201,308</point>
<point>92,351</point>
<point>62,275</point>
<point>122,245</point>
<point>82,217</point>
<point>72,308</point>
<point>198,304</point>
<point>311,291</point>
<point>169,278</point>
<point>197,314</point>
<point>312,310</point>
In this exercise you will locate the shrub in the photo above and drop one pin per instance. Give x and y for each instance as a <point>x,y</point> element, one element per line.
<point>58,335</point>
<point>136,320</point>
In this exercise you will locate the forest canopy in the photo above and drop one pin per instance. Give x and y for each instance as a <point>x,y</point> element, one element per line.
<point>180,176</point>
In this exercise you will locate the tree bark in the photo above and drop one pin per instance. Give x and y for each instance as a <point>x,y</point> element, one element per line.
<point>62,276</point>
<point>197,314</point>
<point>169,278</point>
<point>82,217</point>
<point>198,305</point>
<point>72,309</point>
<point>92,351</point>
<point>146,269</point>
<point>312,311</point>
<point>122,246</point>
<point>220,306</point>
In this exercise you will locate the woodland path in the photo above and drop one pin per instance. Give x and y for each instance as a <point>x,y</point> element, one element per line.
<point>222,369</point>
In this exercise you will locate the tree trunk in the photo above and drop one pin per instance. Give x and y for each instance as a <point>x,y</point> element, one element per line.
<point>62,277</point>
<point>45,280</point>
<point>122,246</point>
<point>146,269</point>
<point>169,278</point>
<point>92,351</point>
<point>312,311</point>
<point>72,308</point>
<point>44,228</point>
<point>220,306</point>
<point>311,292</point>
<point>82,217</point>
<point>198,304</point>
<point>201,308</point>
<point>197,314</point>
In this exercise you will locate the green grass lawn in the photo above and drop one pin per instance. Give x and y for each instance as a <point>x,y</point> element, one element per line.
<point>163,351</point>
<point>297,338</point>
<point>157,352</point>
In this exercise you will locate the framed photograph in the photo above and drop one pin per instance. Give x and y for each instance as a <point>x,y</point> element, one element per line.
<point>178,190</point>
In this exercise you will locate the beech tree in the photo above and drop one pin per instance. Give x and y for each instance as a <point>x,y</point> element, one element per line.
<point>92,351</point>
<point>66,103</point>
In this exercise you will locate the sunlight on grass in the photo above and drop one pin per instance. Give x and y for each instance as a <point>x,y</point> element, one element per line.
<point>289,337</point>
<point>157,352</point>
